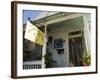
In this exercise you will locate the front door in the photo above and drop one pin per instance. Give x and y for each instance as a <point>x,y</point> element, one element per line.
<point>75,51</point>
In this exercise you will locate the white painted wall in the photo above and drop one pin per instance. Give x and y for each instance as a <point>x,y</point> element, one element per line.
<point>63,58</point>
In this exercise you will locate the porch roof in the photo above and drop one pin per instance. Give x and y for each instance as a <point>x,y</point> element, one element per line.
<point>44,14</point>
<point>48,16</point>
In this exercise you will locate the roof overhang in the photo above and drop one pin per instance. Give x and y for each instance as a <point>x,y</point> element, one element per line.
<point>58,17</point>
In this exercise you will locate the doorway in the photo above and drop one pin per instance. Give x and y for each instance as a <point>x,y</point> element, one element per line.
<point>75,51</point>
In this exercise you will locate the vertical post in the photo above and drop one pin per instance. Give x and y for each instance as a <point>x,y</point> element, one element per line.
<point>44,47</point>
<point>86,19</point>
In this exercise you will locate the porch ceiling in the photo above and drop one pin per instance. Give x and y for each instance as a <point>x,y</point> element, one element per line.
<point>67,24</point>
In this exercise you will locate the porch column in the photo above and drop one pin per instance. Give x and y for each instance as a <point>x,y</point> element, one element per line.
<point>44,47</point>
<point>87,33</point>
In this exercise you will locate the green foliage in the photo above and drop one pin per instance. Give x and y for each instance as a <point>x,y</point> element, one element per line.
<point>48,60</point>
<point>25,45</point>
<point>86,58</point>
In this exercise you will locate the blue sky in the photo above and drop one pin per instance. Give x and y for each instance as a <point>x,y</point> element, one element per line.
<point>30,13</point>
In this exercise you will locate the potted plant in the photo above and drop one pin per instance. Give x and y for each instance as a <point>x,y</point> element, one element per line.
<point>86,59</point>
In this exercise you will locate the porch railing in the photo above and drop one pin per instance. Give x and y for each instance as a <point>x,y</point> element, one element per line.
<point>32,64</point>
